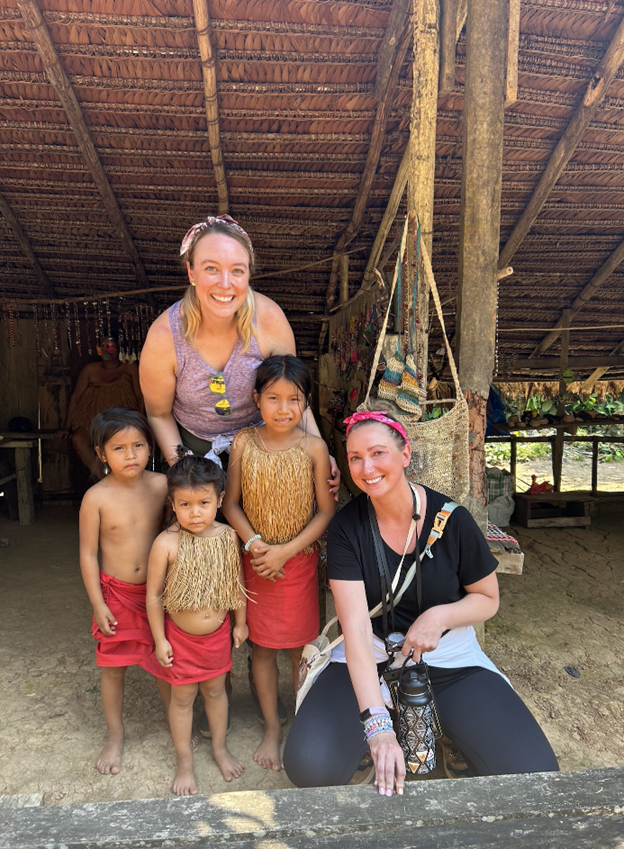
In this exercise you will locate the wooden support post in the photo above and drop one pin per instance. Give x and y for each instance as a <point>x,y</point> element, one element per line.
<point>563,358</point>
<point>420,184</point>
<point>448,43</point>
<point>513,459</point>
<point>557,458</point>
<point>202,25</point>
<point>480,225</point>
<point>594,94</point>
<point>23,470</point>
<point>594,470</point>
<point>513,47</point>
<point>344,279</point>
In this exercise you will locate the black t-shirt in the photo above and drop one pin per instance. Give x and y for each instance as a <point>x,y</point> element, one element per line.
<point>460,558</point>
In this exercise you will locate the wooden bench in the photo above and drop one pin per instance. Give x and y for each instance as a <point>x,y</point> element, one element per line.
<point>553,509</point>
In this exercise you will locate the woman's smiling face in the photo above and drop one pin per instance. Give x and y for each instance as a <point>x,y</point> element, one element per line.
<point>220,272</point>
<point>376,462</point>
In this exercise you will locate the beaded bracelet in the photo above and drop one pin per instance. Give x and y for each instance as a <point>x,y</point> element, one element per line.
<point>377,725</point>
<point>249,541</point>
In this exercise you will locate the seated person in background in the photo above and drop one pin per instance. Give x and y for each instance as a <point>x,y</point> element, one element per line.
<point>109,383</point>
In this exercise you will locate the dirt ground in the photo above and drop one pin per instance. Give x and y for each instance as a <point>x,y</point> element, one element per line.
<point>566,610</point>
<point>575,474</point>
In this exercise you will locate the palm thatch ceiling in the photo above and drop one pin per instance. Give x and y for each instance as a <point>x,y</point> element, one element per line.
<point>295,84</point>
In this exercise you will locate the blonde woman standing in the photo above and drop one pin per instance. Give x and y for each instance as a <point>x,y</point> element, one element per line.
<point>200,357</point>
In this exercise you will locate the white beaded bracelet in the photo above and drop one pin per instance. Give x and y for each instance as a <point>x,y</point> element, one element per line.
<point>249,541</point>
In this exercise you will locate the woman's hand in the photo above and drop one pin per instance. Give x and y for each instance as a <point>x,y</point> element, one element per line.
<point>389,763</point>
<point>334,480</point>
<point>105,620</point>
<point>268,560</point>
<point>424,634</point>
<point>164,653</point>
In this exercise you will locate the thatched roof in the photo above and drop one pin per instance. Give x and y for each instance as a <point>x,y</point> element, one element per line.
<point>296,103</point>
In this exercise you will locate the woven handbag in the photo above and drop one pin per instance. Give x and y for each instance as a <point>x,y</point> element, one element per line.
<point>439,446</point>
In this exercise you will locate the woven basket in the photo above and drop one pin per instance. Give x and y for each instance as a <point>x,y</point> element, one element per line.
<point>439,446</point>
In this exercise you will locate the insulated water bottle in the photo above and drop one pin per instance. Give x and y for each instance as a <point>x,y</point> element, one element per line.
<point>416,731</point>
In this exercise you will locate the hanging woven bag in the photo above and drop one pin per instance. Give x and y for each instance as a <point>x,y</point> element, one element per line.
<point>439,446</point>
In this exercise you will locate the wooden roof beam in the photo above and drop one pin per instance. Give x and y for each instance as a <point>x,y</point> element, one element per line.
<point>594,94</point>
<point>22,238</point>
<point>209,73</point>
<point>58,78</point>
<point>391,55</point>
<point>588,292</point>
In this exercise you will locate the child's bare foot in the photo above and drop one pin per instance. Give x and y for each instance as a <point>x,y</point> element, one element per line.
<point>109,762</point>
<point>268,754</point>
<point>184,781</point>
<point>230,766</point>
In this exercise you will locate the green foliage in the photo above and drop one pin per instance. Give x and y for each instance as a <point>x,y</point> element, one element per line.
<point>499,453</point>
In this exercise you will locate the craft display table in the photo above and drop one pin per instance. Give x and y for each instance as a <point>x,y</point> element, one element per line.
<point>553,509</point>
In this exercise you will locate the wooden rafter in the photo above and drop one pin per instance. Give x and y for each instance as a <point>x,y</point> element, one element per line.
<point>58,78</point>
<point>588,292</point>
<point>209,73</point>
<point>22,238</point>
<point>452,20</point>
<point>390,61</point>
<point>594,94</point>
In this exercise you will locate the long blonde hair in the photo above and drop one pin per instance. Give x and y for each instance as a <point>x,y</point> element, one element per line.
<point>191,309</point>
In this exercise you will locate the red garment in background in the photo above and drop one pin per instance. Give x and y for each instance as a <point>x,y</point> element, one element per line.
<point>132,641</point>
<point>284,614</point>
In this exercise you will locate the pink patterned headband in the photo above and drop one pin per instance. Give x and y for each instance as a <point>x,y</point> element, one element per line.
<point>187,241</point>
<point>375,416</point>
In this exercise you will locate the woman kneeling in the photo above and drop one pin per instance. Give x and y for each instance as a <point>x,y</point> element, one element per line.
<point>478,709</point>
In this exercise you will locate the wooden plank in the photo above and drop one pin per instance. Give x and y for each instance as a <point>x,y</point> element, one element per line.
<point>594,94</point>
<point>557,459</point>
<point>449,10</point>
<point>588,385</point>
<point>25,245</point>
<point>8,478</point>
<point>18,375</point>
<point>560,522</point>
<point>513,459</point>
<point>209,74</point>
<point>513,47</point>
<point>574,363</point>
<point>59,80</point>
<point>479,236</point>
<point>23,471</point>
<point>509,563</point>
<point>556,497</point>
<point>344,279</point>
<point>594,469</point>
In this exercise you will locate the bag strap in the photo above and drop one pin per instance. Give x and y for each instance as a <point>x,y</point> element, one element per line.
<point>439,523</point>
<point>430,282</point>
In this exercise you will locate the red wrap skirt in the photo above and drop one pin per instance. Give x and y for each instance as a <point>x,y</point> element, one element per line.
<point>132,641</point>
<point>284,614</point>
<point>196,658</point>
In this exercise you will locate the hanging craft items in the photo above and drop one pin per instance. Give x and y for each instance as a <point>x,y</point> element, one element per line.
<point>109,332</point>
<point>68,324</point>
<point>36,323</point>
<point>18,328</point>
<point>97,307</point>
<point>77,335</point>
<point>89,348</point>
<point>56,330</point>
<point>391,380</point>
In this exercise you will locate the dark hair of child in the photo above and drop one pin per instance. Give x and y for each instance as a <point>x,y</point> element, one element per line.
<point>396,436</point>
<point>113,420</point>
<point>290,368</point>
<point>191,472</point>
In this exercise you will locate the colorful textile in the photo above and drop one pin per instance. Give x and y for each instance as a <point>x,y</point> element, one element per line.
<point>133,640</point>
<point>196,657</point>
<point>203,225</point>
<point>284,614</point>
<point>494,534</point>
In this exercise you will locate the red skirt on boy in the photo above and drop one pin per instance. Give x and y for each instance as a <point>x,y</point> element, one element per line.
<point>132,641</point>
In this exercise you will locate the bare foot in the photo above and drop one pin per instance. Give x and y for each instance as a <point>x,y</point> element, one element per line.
<point>184,781</point>
<point>109,762</point>
<point>267,754</point>
<point>230,766</point>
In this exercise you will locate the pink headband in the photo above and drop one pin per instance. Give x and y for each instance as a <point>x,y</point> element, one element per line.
<point>187,241</point>
<point>375,416</point>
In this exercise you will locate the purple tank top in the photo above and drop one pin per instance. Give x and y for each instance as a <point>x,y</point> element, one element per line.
<point>207,402</point>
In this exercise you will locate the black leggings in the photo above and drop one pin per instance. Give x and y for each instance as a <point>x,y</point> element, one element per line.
<point>480,713</point>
